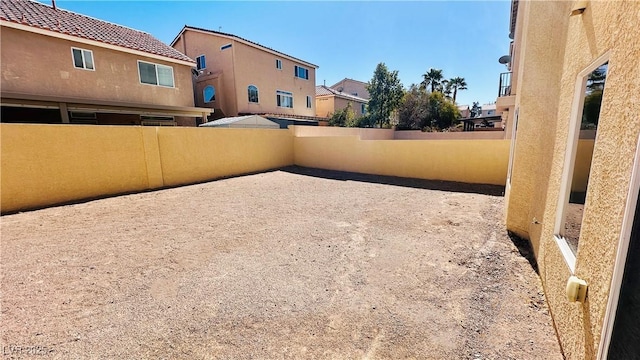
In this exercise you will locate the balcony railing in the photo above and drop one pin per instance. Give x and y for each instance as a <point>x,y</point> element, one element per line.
<point>505,84</point>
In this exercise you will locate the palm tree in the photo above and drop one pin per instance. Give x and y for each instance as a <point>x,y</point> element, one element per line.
<point>446,88</point>
<point>433,77</point>
<point>457,83</point>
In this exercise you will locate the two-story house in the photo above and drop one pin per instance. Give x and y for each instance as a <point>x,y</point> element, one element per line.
<point>237,76</point>
<point>62,67</point>
<point>329,100</point>
<point>352,87</point>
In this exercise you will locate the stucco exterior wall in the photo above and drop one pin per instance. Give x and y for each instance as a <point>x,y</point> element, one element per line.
<point>575,42</point>
<point>43,65</point>
<point>219,71</point>
<point>257,67</point>
<point>353,87</point>
<point>235,68</point>
<point>325,106</point>
<point>537,98</point>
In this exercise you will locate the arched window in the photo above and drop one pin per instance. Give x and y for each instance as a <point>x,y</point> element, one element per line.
<point>253,93</point>
<point>209,93</point>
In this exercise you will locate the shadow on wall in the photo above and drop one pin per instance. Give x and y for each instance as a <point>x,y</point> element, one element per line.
<point>452,186</point>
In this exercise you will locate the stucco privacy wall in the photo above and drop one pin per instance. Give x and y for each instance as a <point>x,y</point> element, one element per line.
<point>472,161</point>
<point>50,164</point>
<point>460,135</point>
<point>191,155</point>
<point>605,26</point>
<point>363,133</point>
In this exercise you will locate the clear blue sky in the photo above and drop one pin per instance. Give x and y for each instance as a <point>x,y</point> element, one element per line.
<point>345,39</point>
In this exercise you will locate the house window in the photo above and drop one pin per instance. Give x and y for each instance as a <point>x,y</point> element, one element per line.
<point>577,162</point>
<point>209,94</point>
<point>224,47</point>
<point>200,63</point>
<point>308,102</point>
<point>284,99</point>
<point>155,74</point>
<point>301,72</point>
<point>278,64</point>
<point>354,94</point>
<point>253,93</point>
<point>82,59</point>
<point>363,108</point>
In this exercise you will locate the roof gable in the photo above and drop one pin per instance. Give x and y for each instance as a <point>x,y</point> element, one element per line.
<point>41,16</point>
<point>322,90</point>
<point>243,40</point>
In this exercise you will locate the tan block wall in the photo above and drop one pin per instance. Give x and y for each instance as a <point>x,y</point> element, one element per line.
<point>472,161</point>
<point>462,135</point>
<point>362,133</point>
<point>75,162</point>
<point>192,155</point>
<point>576,42</point>
<point>43,65</point>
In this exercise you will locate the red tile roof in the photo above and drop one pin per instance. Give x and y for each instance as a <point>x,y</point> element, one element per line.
<point>43,16</point>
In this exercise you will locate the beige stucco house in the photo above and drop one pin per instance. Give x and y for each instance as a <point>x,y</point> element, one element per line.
<point>576,199</point>
<point>63,67</point>
<point>238,76</point>
<point>352,87</point>
<point>329,100</point>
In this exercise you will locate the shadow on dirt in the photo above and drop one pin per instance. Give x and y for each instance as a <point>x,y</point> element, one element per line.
<point>485,189</point>
<point>525,249</point>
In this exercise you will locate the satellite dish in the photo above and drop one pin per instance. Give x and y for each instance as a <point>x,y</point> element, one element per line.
<point>505,59</point>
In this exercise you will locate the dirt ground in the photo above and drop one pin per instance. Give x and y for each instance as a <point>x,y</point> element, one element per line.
<point>278,265</point>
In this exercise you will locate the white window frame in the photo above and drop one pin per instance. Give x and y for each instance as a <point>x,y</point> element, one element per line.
<point>84,62</point>
<point>173,80</point>
<point>309,104</point>
<point>569,161</point>
<point>257,93</point>
<point>278,64</point>
<point>295,70</point>
<point>284,93</point>
<point>204,58</point>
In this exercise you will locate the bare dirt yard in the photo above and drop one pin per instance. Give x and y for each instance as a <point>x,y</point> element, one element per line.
<point>278,265</point>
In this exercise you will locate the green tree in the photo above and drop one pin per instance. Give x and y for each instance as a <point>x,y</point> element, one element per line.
<point>457,83</point>
<point>476,110</point>
<point>385,91</point>
<point>442,113</point>
<point>343,117</point>
<point>413,112</point>
<point>446,88</point>
<point>591,110</point>
<point>432,77</point>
